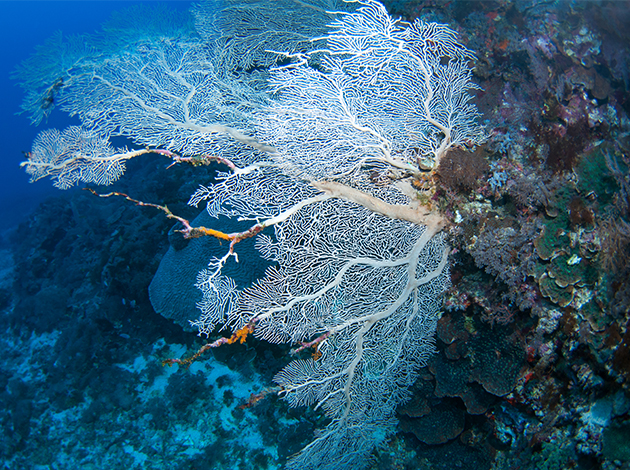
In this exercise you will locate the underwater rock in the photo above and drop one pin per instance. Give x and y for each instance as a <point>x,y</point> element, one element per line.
<point>441,425</point>
<point>480,355</point>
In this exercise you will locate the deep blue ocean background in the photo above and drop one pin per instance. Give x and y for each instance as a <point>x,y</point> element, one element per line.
<point>24,25</point>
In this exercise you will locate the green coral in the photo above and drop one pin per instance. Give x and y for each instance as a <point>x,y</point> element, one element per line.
<point>617,442</point>
<point>554,456</point>
<point>594,176</point>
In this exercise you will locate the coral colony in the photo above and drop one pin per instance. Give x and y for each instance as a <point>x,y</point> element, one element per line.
<point>320,142</point>
<point>375,278</point>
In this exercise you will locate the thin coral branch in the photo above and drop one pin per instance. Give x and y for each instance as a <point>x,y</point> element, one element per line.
<point>239,335</point>
<point>310,344</point>
<point>189,231</point>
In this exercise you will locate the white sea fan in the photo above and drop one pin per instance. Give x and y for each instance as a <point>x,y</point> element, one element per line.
<point>322,157</point>
<point>75,154</point>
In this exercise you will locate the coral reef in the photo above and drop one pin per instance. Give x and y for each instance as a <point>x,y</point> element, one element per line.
<point>532,362</point>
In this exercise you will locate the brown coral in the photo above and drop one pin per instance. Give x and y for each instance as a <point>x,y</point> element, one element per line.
<point>461,170</point>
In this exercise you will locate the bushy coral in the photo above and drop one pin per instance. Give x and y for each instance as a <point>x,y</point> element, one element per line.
<point>463,171</point>
<point>504,249</point>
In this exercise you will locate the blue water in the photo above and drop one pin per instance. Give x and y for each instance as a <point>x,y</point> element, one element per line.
<point>24,25</point>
